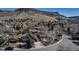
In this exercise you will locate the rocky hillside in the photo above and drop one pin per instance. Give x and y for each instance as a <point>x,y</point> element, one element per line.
<point>28,28</point>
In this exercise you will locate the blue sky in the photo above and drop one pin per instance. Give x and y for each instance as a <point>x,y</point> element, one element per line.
<point>63,11</point>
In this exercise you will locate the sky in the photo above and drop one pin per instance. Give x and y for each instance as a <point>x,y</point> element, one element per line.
<point>64,11</point>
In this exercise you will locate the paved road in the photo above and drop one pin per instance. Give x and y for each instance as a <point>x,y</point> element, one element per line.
<point>65,45</point>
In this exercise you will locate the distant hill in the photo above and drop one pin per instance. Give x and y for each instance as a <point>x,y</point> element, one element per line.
<point>23,13</point>
<point>38,11</point>
<point>74,17</point>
